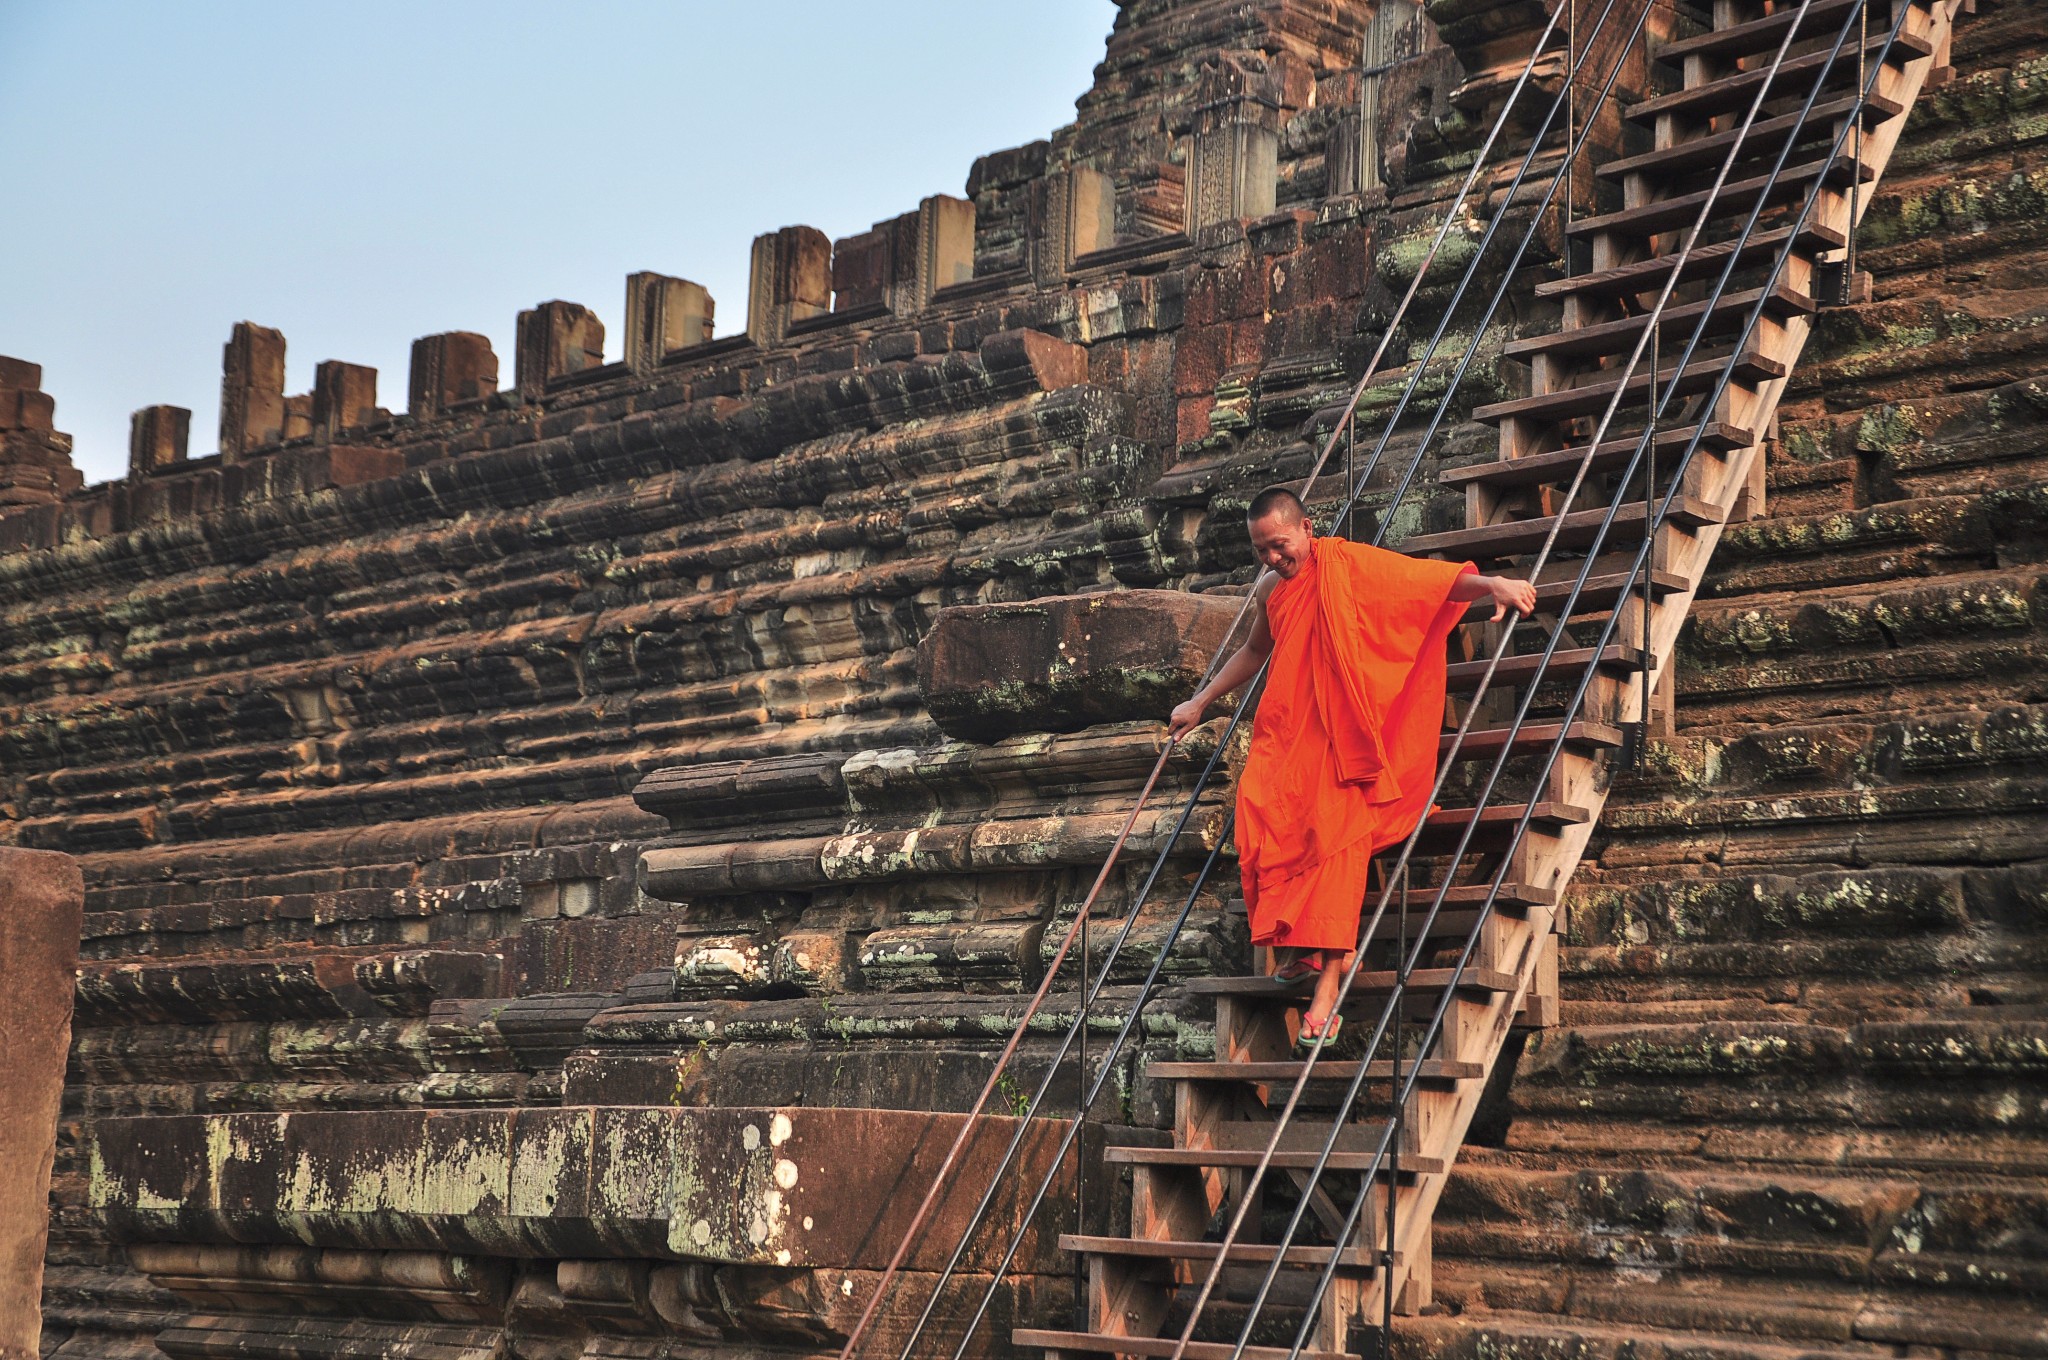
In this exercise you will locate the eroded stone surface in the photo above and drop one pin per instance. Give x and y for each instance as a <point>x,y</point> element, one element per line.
<point>1065,663</point>
<point>41,900</point>
<point>739,1186</point>
<point>363,734</point>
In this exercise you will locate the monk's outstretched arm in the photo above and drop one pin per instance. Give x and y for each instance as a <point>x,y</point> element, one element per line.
<point>1243,664</point>
<point>1505,592</point>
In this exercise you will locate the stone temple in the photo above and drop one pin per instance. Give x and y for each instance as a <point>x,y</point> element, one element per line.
<point>554,865</point>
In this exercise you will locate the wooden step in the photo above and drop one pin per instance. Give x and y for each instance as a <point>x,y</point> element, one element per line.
<point>1647,276</point>
<point>1443,829</point>
<point>1434,1070</point>
<point>1304,1135</point>
<point>1243,1253</point>
<point>1823,20</point>
<point>1452,923</point>
<point>1151,1347</point>
<point>1579,528</point>
<point>1793,80</point>
<point>1700,376</point>
<point>1766,135</point>
<point>1679,322</point>
<point>1734,198</point>
<point>1376,984</point>
<point>1596,598</point>
<point>1486,743</point>
<point>1602,589</point>
<point>1561,465</point>
<point>1282,1161</point>
<point>1513,899</point>
<point>1567,663</point>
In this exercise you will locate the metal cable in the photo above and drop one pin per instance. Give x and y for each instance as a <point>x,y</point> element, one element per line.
<point>1653,522</point>
<point>1340,516</point>
<point>1246,1195</point>
<point>1419,370</point>
<point>1341,429</point>
<point>1700,330</point>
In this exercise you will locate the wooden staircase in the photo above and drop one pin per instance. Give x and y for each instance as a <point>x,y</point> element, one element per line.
<point>1139,1287</point>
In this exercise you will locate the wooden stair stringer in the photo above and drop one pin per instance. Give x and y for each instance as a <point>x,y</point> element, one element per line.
<point>1720,478</point>
<point>1126,1304</point>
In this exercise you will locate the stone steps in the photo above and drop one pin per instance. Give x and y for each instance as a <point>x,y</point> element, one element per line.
<point>1906,764</point>
<point>1938,1096</point>
<point>1752,1221</point>
<point>1548,1124</point>
<point>1653,1312</point>
<point>1641,1322</point>
<point>1590,1060</point>
<point>431,703</point>
<point>1855,546</point>
<point>1948,609</point>
<point>1891,902</point>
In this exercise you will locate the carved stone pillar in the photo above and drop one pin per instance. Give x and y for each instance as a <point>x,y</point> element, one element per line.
<point>157,438</point>
<point>1393,35</point>
<point>252,406</point>
<point>791,279</point>
<point>1073,215</point>
<point>945,250</point>
<point>1233,166</point>
<point>663,315</point>
<point>555,339</point>
<point>448,369</point>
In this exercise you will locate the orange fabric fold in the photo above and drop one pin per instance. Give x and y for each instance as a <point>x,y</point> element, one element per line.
<point>1344,745</point>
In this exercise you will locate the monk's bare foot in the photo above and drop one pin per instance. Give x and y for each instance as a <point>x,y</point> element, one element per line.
<point>1319,1009</point>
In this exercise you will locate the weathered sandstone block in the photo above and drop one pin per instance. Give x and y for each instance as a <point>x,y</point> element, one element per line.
<point>791,279</point>
<point>344,396</point>
<point>900,263</point>
<point>556,339</point>
<point>794,1186</point>
<point>252,402</point>
<point>663,315</point>
<point>42,901</point>
<point>35,458</point>
<point>157,438</point>
<point>448,369</point>
<point>1068,662</point>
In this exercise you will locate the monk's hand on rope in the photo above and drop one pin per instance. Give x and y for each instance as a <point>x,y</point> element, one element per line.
<point>1186,717</point>
<point>1519,596</point>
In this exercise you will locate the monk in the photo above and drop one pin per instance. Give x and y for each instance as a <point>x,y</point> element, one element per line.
<point>1344,747</point>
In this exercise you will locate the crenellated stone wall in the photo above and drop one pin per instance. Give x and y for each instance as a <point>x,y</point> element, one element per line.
<point>346,721</point>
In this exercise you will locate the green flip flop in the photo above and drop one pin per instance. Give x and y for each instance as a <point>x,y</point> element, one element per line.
<point>1305,1038</point>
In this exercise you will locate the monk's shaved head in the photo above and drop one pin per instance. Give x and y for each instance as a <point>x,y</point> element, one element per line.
<point>1276,500</point>
<point>1281,537</point>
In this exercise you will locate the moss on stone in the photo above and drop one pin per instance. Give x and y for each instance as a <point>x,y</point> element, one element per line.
<point>1702,1056</point>
<point>1804,444</point>
<point>1401,259</point>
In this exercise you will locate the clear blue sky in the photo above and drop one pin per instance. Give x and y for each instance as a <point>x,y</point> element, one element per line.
<point>357,175</point>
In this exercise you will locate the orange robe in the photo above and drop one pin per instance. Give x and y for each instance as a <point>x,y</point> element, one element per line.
<point>1345,743</point>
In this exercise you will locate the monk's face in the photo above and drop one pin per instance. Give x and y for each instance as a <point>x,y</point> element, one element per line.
<point>1281,541</point>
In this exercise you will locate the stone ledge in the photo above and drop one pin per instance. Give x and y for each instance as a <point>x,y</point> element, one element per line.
<point>1068,661</point>
<point>42,899</point>
<point>780,1187</point>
